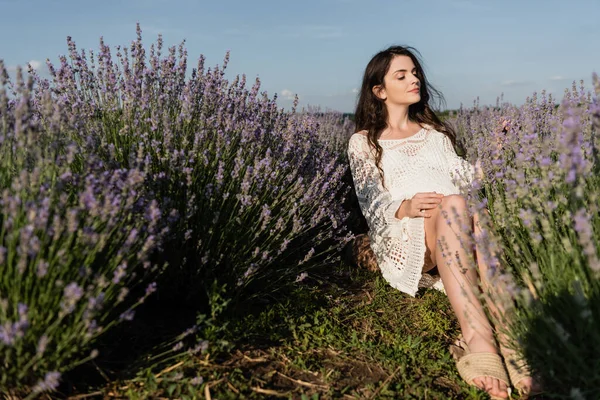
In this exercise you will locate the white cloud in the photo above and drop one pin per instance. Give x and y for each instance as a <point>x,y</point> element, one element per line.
<point>344,93</point>
<point>35,64</point>
<point>558,78</point>
<point>287,94</point>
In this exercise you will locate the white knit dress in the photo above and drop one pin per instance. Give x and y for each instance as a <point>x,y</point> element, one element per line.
<point>423,162</point>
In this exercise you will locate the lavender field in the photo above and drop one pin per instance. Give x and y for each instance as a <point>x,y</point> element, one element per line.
<point>169,233</point>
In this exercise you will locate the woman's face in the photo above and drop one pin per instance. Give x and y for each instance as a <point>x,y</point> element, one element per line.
<point>401,83</point>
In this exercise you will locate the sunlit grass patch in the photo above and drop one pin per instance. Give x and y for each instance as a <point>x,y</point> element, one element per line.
<point>336,337</point>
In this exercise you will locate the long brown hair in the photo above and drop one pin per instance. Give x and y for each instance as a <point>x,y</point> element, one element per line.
<point>371,113</point>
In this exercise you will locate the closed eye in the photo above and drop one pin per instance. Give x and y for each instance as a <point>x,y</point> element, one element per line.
<point>414,73</point>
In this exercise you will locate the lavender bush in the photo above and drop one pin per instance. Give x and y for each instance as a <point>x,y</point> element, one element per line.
<point>334,129</point>
<point>75,238</point>
<point>541,185</point>
<point>108,164</point>
<point>251,189</point>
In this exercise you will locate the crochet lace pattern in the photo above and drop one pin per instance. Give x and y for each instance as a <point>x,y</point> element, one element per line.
<point>423,162</point>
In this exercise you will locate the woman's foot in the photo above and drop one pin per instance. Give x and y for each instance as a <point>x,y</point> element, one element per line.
<point>519,373</point>
<point>524,385</point>
<point>494,387</point>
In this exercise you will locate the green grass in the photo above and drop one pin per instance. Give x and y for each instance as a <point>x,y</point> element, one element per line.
<point>348,335</point>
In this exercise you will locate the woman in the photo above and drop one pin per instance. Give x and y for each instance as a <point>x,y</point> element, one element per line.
<point>407,177</point>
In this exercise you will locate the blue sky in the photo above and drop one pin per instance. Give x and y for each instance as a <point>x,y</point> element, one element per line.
<point>319,49</point>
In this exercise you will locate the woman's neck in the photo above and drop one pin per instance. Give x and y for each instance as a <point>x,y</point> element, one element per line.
<point>399,124</point>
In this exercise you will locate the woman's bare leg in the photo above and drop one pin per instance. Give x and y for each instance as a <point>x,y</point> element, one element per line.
<point>458,279</point>
<point>496,308</point>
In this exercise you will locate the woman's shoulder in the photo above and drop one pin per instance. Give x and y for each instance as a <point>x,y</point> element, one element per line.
<point>359,143</point>
<point>432,131</point>
<point>429,128</point>
<point>360,136</point>
<point>363,133</point>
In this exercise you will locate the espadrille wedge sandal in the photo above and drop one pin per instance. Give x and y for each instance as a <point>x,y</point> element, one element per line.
<point>473,365</point>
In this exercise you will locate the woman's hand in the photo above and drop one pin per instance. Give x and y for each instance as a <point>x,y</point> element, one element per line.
<point>419,205</point>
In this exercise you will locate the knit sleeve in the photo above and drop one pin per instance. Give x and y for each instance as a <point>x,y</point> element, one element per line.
<point>459,169</point>
<point>375,201</point>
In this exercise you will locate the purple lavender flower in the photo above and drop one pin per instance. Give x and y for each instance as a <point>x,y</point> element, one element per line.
<point>92,329</point>
<point>197,380</point>
<point>123,292</point>
<point>22,310</point>
<point>251,270</point>
<point>127,315</point>
<point>48,384</point>
<point>95,303</point>
<point>583,227</point>
<point>153,213</point>
<point>301,277</point>
<point>119,273</point>
<point>150,289</point>
<point>178,346</point>
<point>71,295</point>
<point>284,245</point>
<point>190,331</point>
<point>10,332</point>
<point>131,238</point>
<point>201,347</point>
<point>308,255</point>
<point>42,344</point>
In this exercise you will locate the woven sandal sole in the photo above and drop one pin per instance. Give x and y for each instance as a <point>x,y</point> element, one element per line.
<point>473,365</point>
